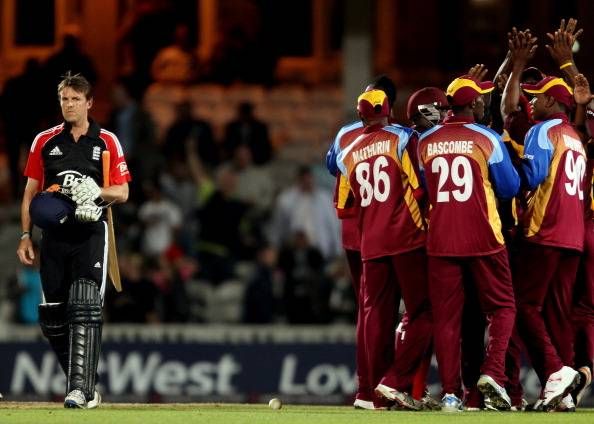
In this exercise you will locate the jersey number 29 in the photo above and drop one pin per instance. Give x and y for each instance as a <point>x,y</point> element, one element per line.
<point>461,174</point>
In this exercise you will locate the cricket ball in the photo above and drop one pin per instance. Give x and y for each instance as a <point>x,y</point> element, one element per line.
<point>275,403</point>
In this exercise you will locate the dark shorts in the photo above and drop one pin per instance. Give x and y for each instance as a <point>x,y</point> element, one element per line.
<point>73,252</point>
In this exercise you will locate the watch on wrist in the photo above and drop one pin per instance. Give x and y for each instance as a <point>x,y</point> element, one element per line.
<point>25,235</point>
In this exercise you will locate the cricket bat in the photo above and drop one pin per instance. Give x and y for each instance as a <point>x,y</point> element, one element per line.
<point>113,269</point>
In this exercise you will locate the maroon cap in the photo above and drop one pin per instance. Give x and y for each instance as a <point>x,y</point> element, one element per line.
<point>425,96</point>
<point>554,87</point>
<point>465,89</point>
<point>373,104</point>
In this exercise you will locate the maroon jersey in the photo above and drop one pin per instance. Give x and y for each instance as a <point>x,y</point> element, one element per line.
<point>348,212</point>
<point>380,164</point>
<point>465,165</point>
<point>554,168</point>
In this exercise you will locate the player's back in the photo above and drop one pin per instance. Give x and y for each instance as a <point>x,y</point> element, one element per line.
<point>384,181</point>
<point>457,158</point>
<point>555,167</point>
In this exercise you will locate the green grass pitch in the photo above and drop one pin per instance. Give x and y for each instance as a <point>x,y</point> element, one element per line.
<point>49,413</point>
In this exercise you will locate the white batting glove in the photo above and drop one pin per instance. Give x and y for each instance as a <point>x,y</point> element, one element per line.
<point>88,213</point>
<point>86,191</point>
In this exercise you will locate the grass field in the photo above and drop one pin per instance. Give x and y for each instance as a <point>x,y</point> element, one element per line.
<point>49,413</point>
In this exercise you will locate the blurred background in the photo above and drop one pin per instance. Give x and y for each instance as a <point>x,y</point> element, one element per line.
<point>229,248</point>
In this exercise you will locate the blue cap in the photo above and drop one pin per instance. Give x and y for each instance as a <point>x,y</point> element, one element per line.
<point>50,210</point>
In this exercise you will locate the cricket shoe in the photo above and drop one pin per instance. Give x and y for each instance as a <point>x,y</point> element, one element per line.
<point>95,402</point>
<point>520,407</point>
<point>559,384</point>
<point>401,398</point>
<point>566,405</point>
<point>580,390</point>
<point>496,398</point>
<point>429,403</point>
<point>535,407</point>
<point>451,403</point>
<point>363,404</point>
<point>76,399</point>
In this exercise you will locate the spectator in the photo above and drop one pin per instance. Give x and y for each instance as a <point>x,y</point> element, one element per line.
<point>161,218</point>
<point>259,301</point>
<point>186,126</point>
<point>21,121</point>
<point>306,287</point>
<point>176,63</point>
<point>247,130</point>
<point>305,207</point>
<point>136,132</point>
<point>136,302</point>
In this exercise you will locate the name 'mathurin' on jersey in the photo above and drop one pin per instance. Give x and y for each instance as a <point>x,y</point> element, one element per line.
<point>554,168</point>
<point>380,164</point>
<point>466,166</point>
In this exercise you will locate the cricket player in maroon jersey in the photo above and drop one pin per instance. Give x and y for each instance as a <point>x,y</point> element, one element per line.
<point>553,169</point>
<point>583,309</point>
<point>466,166</point>
<point>381,168</point>
<point>348,214</point>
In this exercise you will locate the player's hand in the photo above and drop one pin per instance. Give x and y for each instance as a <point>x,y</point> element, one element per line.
<point>478,71</point>
<point>88,213</point>
<point>86,191</point>
<point>25,251</point>
<point>581,90</point>
<point>501,81</point>
<point>562,41</point>
<point>522,46</point>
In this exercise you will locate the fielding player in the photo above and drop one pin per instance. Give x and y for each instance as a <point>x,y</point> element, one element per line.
<point>65,165</point>
<point>466,166</point>
<point>348,213</point>
<point>553,168</point>
<point>381,168</point>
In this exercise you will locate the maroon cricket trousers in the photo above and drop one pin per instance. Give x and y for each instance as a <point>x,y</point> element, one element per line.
<point>544,278</point>
<point>492,278</point>
<point>383,281</point>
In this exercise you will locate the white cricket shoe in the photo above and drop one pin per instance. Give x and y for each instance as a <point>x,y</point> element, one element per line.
<point>401,398</point>
<point>451,403</point>
<point>75,399</point>
<point>496,397</point>
<point>558,385</point>
<point>363,404</point>
<point>580,390</point>
<point>95,402</point>
<point>566,405</point>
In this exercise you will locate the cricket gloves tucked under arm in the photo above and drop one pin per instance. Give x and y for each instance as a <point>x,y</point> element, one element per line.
<point>86,191</point>
<point>88,213</point>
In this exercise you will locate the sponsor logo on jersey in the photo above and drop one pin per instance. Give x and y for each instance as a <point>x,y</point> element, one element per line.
<point>56,152</point>
<point>96,152</point>
<point>123,167</point>
<point>69,178</point>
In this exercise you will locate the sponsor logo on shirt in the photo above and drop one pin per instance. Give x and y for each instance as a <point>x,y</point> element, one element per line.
<point>56,152</point>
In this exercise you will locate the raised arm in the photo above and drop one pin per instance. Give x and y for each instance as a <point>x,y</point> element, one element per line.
<point>560,48</point>
<point>522,46</point>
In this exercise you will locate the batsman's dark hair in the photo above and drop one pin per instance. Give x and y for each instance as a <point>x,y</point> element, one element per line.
<point>385,83</point>
<point>77,82</point>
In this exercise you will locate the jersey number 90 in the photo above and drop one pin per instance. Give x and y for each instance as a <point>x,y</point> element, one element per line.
<point>380,190</point>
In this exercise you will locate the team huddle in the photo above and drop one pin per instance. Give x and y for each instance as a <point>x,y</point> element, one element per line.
<point>479,218</point>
